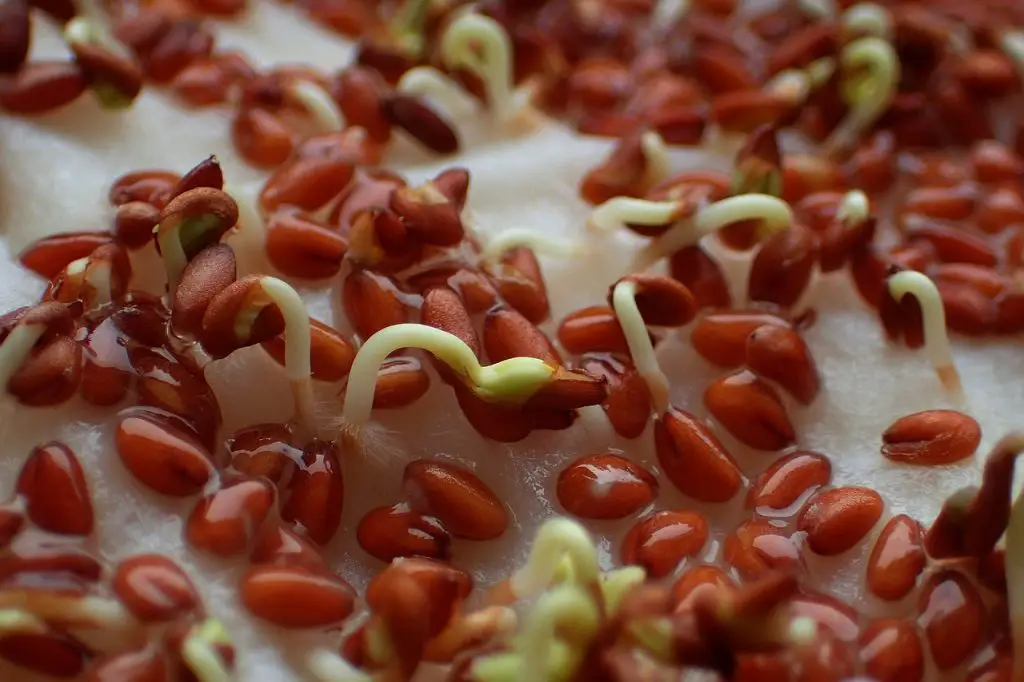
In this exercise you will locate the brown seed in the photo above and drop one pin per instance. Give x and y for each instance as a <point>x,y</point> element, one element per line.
<point>37,557</point>
<point>693,458</point>
<point>995,163</point>
<point>987,73</point>
<point>780,354</point>
<point>660,541</point>
<point>149,186</point>
<point>220,329</point>
<point>162,457</point>
<point>264,450</point>
<point>722,70</point>
<point>115,81</point>
<point>428,215</point>
<point>42,86</point>
<point>897,559</point>
<point>722,338</point>
<point>836,616</point>
<point>134,223</point>
<point>702,276</point>
<point>968,311</point>
<point>53,654</point>
<point>803,46</point>
<point>750,410</point>
<point>360,92</point>
<point>370,190</point>
<point>932,437</point>
<point>942,203</point>
<point>783,267</point>
<point>788,480</point>
<point>154,589</point>
<point>507,334</point>
<point>296,597</point>
<point>50,375</point>
<point>302,247</point>
<point>401,382</point>
<point>213,81</point>
<point>605,487</point>
<point>628,403</point>
<point>143,665</point>
<point>49,256</point>
<point>316,493</point>
<point>55,491</point>
<point>501,423</point>
<point>172,387</point>
<point>999,209</point>
<point>261,138</point>
<point>623,173</point>
<point>838,518</point>
<point>185,41</point>
<point>443,309</point>
<point>891,651</point>
<point>206,173</point>
<point>206,275</point>
<point>277,545</point>
<point>331,355</point>
<point>387,533</point>
<point>756,548</point>
<point>746,110</point>
<point>520,282</point>
<point>953,617</point>
<point>307,184</point>
<point>466,506</point>
<point>662,301</point>
<point>208,211</point>
<point>416,118</point>
<point>592,329</point>
<point>224,523</point>
<point>372,302</point>
<point>697,581</point>
<point>952,245</point>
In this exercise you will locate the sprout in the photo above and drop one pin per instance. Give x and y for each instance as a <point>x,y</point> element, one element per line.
<point>774,213</point>
<point>1011,42</point>
<point>199,651</point>
<point>68,610</point>
<point>868,94</point>
<point>429,83</point>
<point>617,584</point>
<point>297,342</point>
<point>557,539</point>
<point>17,347</point>
<point>510,381</point>
<point>538,242</point>
<point>796,85</point>
<point>327,666</point>
<point>318,103</point>
<point>866,19</point>
<point>189,223</point>
<point>854,208</point>
<point>564,612</point>
<point>20,622</point>
<point>818,9</point>
<point>639,342</point>
<point>658,164</point>
<point>621,210</point>
<point>936,340</point>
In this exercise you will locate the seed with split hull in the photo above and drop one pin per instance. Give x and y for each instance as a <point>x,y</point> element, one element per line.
<point>952,615</point>
<point>897,559</point>
<point>49,256</point>
<point>933,437</point>
<point>605,487</point>
<point>628,404</point>
<point>296,597</point>
<point>693,459</point>
<point>162,457</point>
<point>466,506</point>
<point>154,589</point>
<point>837,519</point>
<point>396,531</point>
<point>660,541</point>
<point>223,523</point>
<point>56,494</point>
<point>750,410</point>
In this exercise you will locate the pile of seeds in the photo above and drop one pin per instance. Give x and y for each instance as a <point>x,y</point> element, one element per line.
<point>868,141</point>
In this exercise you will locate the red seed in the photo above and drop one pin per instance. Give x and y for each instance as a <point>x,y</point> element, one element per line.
<point>301,247</point>
<point>396,531</point>
<point>788,481</point>
<point>953,617</point>
<point>891,651</point>
<point>897,559</point>
<point>837,519</point>
<point>750,410</point>
<point>42,86</point>
<point>932,437</point>
<point>702,275</point>
<point>225,522</point>
<point>307,184</point>
<point>693,458</point>
<point>722,338</point>
<point>164,458</point>
<point>832,614</point>
<point>316,493</point>
<point>52,654</point>
<point>592,329</point>
<point>144,665</point>
<point>400,382</point>
<point>781,354</point>
<point>277,545</point>
<point>55,490</point>
<point>154,589</point>
<point>697,581</point>
<point>331,355</point>
<point>520,281</point>
<point>628,403</point>
<point>660,541</point>
<point>783,267</point>
<point>372,302</point>
<point>507,334</point>
<point>134,223</point>
<point>457,497</point>
<point>261,138</point>
<point>296,597</point>
<point>757,547</point>
<point>49,256</point>
<point>605,487</point>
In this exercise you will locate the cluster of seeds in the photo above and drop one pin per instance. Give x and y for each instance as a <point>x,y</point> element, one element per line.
<point>910,193</point>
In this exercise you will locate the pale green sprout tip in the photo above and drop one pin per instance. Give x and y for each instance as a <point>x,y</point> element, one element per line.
<point>327,666</point>
<point>199,653</point>
<point>1011,42</point>
<point>659,165</point>
<point>568,610</point>
<point>481,45</point>
<point>557,539</point>
<point>617,584</point>
<point>639,341</point>
<point>428,82</point>
<point>16,348</point>
<point>866,19</point>
<point>506,667</point>
<point>618,211</point>
<point>933,314</point>
<point>20,622</point>
<point>854,208</point>
<point>868,95</point>
<point>818,9</point>
<point>319,104</point>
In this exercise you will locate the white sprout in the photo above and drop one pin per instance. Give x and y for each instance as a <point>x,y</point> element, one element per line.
<point>319,104</point>
<point>557,539</point>
<point>818,9</point>
<point>172,252</point>
<point>561,608</point>
<point>1012,44</point>
<point>199,653</point>
<point>854,208</point>
<point>97,276</point>
<point>327,666</point>
<point>796,85</point>
<point>481,45</point>
<point>621,210</point>
<point>774,213</point>
<point>639,342</point>
<point>802,630</point>
<point>936,340</point>
<point>20,622</point>
<point>658,163</point>
<point>511,381</point>
<point>669,12</point>
<point>867,19</point>
<point>297,343</point>
<point>428,82</point>
<point>538,242</point>
<point>68,610</point>
<point>867,95</point>
<point>618,583</point>
<point>16,348</point>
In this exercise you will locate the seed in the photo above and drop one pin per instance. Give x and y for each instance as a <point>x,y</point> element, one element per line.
<point>722,70</point>
<point>220,330</point>
<point>296,597</point>
<point>722,338</point>
<point>897,559</point>
<point>171,387</point>
<point>625,172</point>
<point>697,581</point>
<point>307,184</point>
<point>662,301</point>
<point>520,282</point>
<point>359,92</point>
<point>224,522</point>
<point>756,548</point>
<point>628,404</point>
<point>750,410</point>
<point>316,493</point>
<point>500,423</point>
<point>209,82</point>
<point>49,256</point>
<point>263,450</point>
<point>891,651</point>
<point>162,457</point>
<point>277,545</point>
<point>56,493</point>
<point>261,138</point>
<point>331,355</point>
<point>872,167</point>
<point>836,616</point>
<point>702,275</point>
<point>987,73</point>
<point>50,375</point>
<point>52,653</point>
<point>745,111</point>
<point>597,84</point>
<point>396,531</point>
<point>967,310</point>
<point>370,190</point>
<point>15,36</point>
<point>837,519</point>
<point>592,329</point>
<point>42,86</point>
<point>446,586</point>
<point>185,41</point>
<point>932,437</point>
<point>154,589</point>
<point>952,244</point>
<point>507,334</point>
<point>802,46</point>
<point>783,267</point>
<point>372,302</point>
<point>994,163</point>
<point>134,223</point>
<point>205,276</point>
<point>999,209</point>
<point>605,486</point>
<point>416,118</point>
<point>152,187</point>
<point>779,353</point>
<point>143,665</point>
<point>443,309</point>
<point>985,280</point>
<point>788,480</point>
<point>660,541</point>
<point>302,247</point>
<point>457,497</point>
<point>400,382</point>
<point>428,214</point>
<point>942,203</point>
<point>953,617</point>
<point>693,458</point>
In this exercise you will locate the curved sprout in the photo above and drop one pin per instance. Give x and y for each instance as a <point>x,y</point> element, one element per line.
<point>565,608</point>
<point>617,584</point>
<point>639,342</point>
<point>774,213</point>
<point>327,666</point>
<point>936,340</point>
<point>428,82</point>
<point>1011,42</point>
<point>818,9</point>
<point>200,655</point>
<point>319,103</point>
<point>297,341</point>
<point>867,96</point>
<point>16,348</point>
<point>659,165</point>
<point>557,539</point>
<point>481,45</point>
<point>621,210</point>
<point>867,19</point>
<point>854,208</point>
